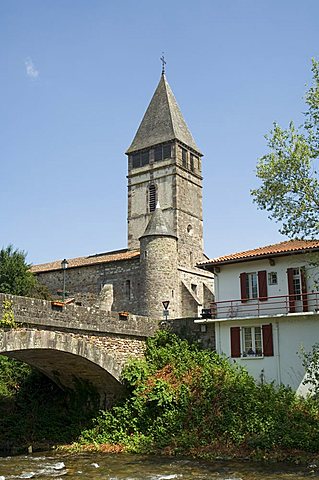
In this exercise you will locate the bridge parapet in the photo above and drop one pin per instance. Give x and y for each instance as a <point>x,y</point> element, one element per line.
<point>37,312</point>
<point>75,345</point>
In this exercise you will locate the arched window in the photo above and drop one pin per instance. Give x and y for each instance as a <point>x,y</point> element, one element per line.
<point>152,197</point>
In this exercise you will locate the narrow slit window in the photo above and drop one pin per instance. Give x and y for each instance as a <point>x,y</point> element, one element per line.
<point>128,289</point>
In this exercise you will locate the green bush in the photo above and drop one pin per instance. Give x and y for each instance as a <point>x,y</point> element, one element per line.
<point>182,397</point>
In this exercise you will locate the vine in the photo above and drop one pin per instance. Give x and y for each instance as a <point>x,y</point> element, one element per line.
<point>7,320</point>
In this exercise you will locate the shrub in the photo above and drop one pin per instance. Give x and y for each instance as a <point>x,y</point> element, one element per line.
<point>181,397</point>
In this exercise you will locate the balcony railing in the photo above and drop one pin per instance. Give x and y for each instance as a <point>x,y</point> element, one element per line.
<point>270,306</point>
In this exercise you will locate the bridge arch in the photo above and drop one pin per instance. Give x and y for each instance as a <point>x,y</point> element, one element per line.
<point>67,359</point>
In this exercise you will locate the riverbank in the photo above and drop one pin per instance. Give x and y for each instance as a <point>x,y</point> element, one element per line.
<point>211,453</point>
<point>223,453</point>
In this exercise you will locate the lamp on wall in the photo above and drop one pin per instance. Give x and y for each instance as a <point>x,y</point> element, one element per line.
<point>64,265</point>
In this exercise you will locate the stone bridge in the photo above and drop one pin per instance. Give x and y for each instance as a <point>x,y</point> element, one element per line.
<point>74,345</point>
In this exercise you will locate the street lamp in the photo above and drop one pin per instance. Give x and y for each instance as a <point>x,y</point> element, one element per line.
<point>64,265</point>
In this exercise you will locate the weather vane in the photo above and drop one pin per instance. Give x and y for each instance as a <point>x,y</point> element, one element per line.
<point>163,63</point>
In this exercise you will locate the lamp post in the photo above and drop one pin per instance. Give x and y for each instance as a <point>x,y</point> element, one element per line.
<point>64,265</point>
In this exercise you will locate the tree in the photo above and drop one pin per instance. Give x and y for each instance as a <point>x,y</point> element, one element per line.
<point>15,275</point>
<point>289,176</point>
<point>310,361</point>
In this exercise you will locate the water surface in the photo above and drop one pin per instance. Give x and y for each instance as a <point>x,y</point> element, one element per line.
<point>135,467</point>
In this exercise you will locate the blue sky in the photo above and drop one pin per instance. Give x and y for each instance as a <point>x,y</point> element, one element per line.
<point>76,77</point>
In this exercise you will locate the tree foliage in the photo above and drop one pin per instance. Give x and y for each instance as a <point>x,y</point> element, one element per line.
<point>289,188</point>
<point>310,361</point>
<point>16,277</point>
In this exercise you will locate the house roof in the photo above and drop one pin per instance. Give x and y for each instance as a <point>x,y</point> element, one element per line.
<point>162,122</point>
<point>115,256</point>
<point>278,249</point>
<point>157,225</point>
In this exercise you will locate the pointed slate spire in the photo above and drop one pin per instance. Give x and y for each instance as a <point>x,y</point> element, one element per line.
<point>157,225</point>
<point>162,121</point>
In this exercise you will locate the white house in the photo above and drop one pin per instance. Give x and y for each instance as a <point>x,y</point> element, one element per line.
<point>266,309</point>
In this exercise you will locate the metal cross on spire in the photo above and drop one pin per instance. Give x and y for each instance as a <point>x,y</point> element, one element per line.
<point>163,63</point>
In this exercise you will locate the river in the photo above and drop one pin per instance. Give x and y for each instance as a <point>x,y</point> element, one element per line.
<point>135,467</point>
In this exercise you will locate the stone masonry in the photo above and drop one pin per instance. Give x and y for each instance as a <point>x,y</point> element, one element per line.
<point>75,344</point>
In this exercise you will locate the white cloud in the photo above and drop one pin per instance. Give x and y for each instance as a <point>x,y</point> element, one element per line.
<point>31,71</point>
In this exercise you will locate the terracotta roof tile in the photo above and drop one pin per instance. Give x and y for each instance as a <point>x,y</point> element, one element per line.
<point>107,257</point>
<point>277,249</point>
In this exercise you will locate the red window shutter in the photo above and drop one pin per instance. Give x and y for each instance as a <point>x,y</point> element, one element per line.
<point>262,286</point>
<point>268,346</point>
<point>291,290</point>
<point>244,295</point>
<point>304,289</point>
<point>235,342</point>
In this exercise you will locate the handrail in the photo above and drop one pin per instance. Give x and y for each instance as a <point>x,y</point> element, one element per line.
<point>272,305</point>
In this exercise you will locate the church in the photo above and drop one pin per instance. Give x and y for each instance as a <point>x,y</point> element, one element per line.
<point>165,228</point>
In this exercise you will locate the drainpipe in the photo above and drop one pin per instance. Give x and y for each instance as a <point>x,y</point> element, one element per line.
<point>216,286</point>
<point>219,340</point>
<point>277,353</point>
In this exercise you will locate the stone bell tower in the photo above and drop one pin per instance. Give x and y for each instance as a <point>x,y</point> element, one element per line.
<point>164,164</point>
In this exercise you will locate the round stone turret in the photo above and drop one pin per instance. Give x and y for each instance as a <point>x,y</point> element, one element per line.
<point>159,276</point>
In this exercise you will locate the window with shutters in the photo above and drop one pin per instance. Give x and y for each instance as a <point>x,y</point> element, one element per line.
<point>152,197</point>
<point>251,341</point>
<point>297,289</point>
<point>253,286</point>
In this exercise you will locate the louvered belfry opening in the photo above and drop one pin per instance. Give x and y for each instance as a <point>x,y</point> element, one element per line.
<point>152,197</point>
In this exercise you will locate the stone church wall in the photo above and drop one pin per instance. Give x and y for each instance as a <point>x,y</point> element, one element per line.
<point>86,282</point>
<point>196,291</point>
